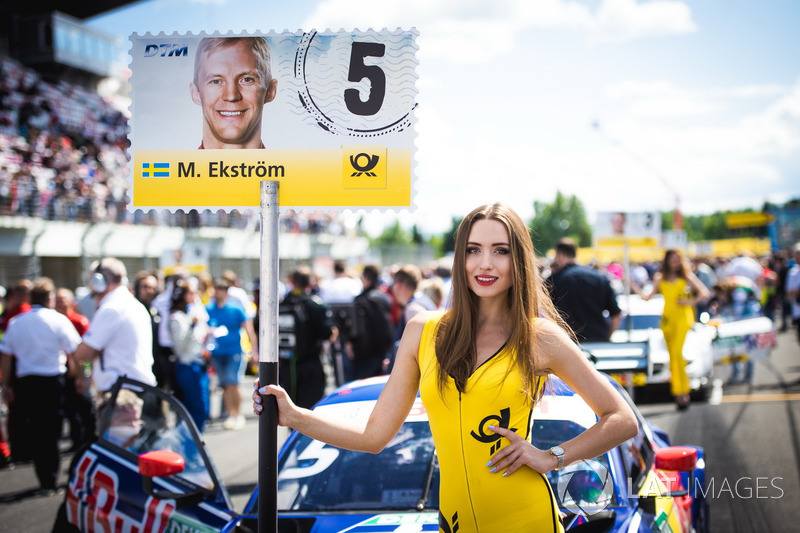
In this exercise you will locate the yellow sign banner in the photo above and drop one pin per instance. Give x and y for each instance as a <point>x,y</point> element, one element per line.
<point>630,241</point>
<point>748,220</point>
<point>371,176</point>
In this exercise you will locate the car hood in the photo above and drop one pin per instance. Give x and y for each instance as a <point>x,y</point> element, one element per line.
<point>351,522</point>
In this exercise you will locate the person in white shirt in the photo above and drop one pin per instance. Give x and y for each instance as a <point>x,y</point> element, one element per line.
<point>40,340</point>
<point>342,288</point>
<point>237,296</point>
<point>339,293</point>
<point>793,288</point>
<point>119,341</point>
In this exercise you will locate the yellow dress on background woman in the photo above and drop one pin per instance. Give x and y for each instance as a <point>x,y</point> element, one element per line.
<point>676,321</point>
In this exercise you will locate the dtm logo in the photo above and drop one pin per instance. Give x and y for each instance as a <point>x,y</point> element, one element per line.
<point>371,162</point>
<point>165,50</point>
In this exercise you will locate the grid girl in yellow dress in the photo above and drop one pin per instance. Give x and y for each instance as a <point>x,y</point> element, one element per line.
<point>682,291</point>
<point>484,361</point>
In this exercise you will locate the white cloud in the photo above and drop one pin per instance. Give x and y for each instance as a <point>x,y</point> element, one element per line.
<point>758,91</point>
<point>710,163</point>
<point>671,107</point>
<point>472,30</point>
<point>776,131</point>
<point>715,147</point>
<point>663,98</point>
<point>623,20</point>
<point>728,160</point>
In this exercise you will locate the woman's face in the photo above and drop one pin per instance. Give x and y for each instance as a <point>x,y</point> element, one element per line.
<point>488,261</point>
<point>674,263</point>
<point>188,297</point>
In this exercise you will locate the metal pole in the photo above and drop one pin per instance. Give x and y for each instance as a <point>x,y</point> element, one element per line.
<point>268,360</point>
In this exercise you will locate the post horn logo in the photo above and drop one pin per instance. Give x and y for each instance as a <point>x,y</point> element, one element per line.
<point>490,437</point>
<point>371,162</point>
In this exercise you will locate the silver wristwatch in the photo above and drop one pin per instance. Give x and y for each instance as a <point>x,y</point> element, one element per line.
<point>558,451</point>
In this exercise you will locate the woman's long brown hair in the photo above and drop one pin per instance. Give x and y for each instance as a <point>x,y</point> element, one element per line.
<point>682,270</point>
<point>527,300</point>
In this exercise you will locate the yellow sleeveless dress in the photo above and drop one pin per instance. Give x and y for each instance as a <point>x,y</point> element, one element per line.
<point>473,499</point>
<point>676,321</point>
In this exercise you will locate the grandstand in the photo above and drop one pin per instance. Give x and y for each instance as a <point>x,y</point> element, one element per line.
<point>63,166</point>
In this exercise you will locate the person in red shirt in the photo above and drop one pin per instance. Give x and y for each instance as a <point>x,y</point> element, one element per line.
<point>78,407</point>
<point>17,302</point>
<point>65,304</point>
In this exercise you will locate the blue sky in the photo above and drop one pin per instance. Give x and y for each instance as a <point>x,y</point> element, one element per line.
<point>696,102</point>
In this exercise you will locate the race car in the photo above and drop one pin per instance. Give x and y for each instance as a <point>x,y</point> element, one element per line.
<point>746,339</point>
<point>156,474</point>
<point>641,323</point>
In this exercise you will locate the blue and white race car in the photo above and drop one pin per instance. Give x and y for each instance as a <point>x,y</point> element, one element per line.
<point>149,471</point>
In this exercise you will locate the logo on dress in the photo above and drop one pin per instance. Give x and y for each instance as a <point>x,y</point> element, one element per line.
<point>488,436</point>
<point>444,525</point>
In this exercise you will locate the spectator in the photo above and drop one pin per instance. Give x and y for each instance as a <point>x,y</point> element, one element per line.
<point>406,281</point>
<point>342,288</point>
<point>237,296</point>
<point>782,267</point>
<point>433,289</point>
<point>226,322</point>
<point>65,304</point>
<point>189,330</point>
<point>339,294</point>
<point>793,288</point>
<point>17,302</point>
<point>38,389</point>
<point>373,332</point>
<point>146,285</point>
<point>78,407</point>
<point>769,289</point>
<point>583,296</point>
<point>163,354</point>
<point>119,341</point>
<point>205,288</point>
<point>444,270</point>
<point>300,368</point>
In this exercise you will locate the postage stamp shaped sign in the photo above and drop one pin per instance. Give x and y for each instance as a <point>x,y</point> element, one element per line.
<point>330,115</point>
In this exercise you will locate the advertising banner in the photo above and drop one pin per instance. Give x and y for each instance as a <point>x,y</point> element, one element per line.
<point>635,229</point>
<point>330,115</point>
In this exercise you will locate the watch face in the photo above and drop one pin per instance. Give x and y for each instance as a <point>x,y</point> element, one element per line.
<point>557,450</point>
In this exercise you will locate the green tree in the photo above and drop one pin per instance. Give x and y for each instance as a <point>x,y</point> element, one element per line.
<point>564,217</point>
<point>448,240</point>
<point>416,236</point>
<point>393,235</point>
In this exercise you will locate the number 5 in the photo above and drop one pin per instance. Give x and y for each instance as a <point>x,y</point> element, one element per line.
<point>359,71</point>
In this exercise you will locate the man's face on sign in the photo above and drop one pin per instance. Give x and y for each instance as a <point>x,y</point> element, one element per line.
<point>232,95</point>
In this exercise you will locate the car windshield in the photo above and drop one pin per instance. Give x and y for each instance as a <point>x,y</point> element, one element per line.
<point>315,476</point>
<point>141,420</point>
